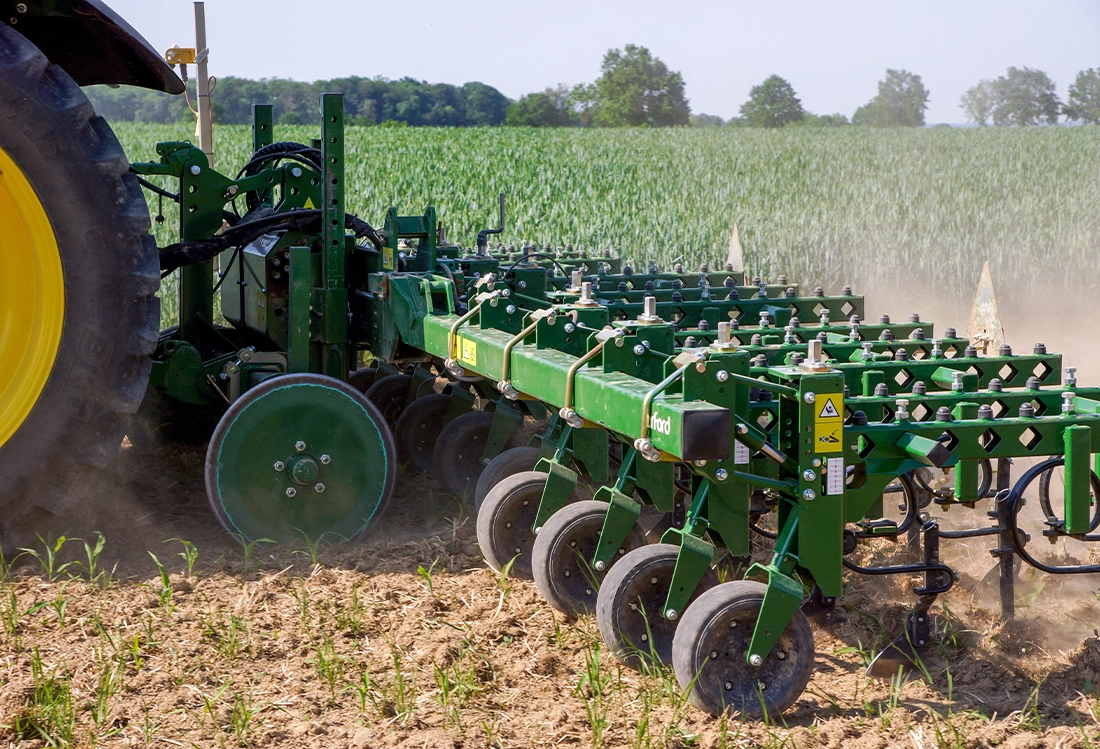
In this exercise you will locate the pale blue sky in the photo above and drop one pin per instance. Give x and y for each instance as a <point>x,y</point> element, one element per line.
<point>833,53</point>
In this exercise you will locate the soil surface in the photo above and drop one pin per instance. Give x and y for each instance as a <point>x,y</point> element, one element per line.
<point>408,639</point>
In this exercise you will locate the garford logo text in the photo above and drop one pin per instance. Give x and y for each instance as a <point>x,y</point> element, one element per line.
<point>664,426</point>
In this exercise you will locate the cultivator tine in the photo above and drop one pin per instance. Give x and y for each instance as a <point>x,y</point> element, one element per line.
<point>984,329</point>
<point>902,657</point>
<point>735,258</point>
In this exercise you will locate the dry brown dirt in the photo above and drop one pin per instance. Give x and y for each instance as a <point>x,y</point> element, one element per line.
<point>410,640</point>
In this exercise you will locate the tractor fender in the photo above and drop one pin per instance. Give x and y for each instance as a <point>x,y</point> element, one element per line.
<point>91,42</point>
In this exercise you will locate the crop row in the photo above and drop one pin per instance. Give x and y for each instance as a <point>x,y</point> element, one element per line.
<point>833,206</point>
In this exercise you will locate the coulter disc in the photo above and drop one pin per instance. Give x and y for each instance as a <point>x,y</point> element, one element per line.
<point>300,456</point>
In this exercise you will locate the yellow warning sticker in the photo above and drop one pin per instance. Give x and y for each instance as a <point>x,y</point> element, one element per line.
<point>467,351</point>
<point>309,204</point>
<point>387,258</point>
<point>829,423</point>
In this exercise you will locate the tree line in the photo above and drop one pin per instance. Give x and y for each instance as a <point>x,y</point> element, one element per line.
<point>634,88</point>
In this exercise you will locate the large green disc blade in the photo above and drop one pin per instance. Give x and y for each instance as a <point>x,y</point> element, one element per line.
<point>300,456</point>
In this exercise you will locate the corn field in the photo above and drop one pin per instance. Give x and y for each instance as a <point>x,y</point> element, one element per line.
<point>832,206</point>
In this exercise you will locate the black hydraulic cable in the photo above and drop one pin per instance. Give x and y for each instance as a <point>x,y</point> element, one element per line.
<point>187,253</point>
<point>551,258</point>
<point>158,190</point>
<point>228,267</point>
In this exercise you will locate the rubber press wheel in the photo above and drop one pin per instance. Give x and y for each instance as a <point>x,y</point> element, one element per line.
<point>301,455</point>
<point>509,462</point>
<point>561,559</point>
<point>506,521</point>
<point>418,430</point>
<point>457,460</point>
<point>362,379</point>
<point>390,394</point>
<point>708,654</point>
<point>78,278</point>
<point>629,608</point>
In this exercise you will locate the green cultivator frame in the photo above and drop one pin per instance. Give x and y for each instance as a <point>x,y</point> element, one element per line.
<point>703,402</point>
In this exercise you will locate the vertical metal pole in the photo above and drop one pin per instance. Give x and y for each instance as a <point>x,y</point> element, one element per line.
<point>196,281</point>
<point>262,130</point>
<point>202,83</point>
<point>1005,553</point>
<point>334,294</point>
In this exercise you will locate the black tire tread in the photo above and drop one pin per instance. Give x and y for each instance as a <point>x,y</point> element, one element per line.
<point>509,462</point>
<point>498,496</point>
<point>700,612</point>
<point>107,251</point>
<point>546,545</point>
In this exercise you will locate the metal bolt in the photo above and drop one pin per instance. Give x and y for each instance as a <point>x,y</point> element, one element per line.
<point>296,172</point>
<point>279,465</point>
<point>721,375</point>
<point>319,488</point>
<point>817,462</point>
<point>291,491</point>
<point>1067,403</point>
<point>300,446</point>
<point>809,495</point>
<point>756,660</point>
<point>721,474</point>
<point>672,614</point>
<point>601,565</point>
<point>809,397</point>
<point>809,475</point>
<point>195,170</point>
<point>511,310</point>
<point>781,655</point>
<point>570,327</point>
<point>325,459</point>
<point>713,654</point>
<point>728,685</point>
<point>20,7</point>
<point>639,349</point>
<point>700,463</point>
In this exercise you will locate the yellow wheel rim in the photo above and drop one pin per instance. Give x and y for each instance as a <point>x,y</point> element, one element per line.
<point>32,297</point>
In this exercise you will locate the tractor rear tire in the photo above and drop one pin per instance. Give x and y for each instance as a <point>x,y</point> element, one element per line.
<point>78,277</point>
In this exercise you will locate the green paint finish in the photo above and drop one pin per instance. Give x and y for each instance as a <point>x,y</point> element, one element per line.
<point>781,601</point>
<point>1078,494</point>
<point>692,562</point>
<point>344,455</point>
<point>560,483</point>
<point>622,515</point>
<point>611,399</point>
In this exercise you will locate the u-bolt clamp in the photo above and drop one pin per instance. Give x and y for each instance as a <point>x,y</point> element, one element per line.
<point>643,444</point>
<point>602,337</point>
<point>451,362</point>
<point>505,384</point>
